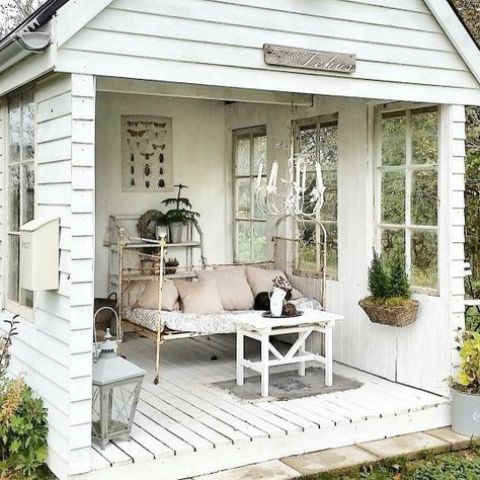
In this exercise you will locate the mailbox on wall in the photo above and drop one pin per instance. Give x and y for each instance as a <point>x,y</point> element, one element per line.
<point>39,262</point>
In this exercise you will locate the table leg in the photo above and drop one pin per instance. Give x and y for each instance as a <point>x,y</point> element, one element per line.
<point>301,351</point>
<point>265,354</point>
<point>328,347</point>
<point>240,357</point>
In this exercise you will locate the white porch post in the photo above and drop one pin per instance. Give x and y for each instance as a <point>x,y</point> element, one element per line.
<point>82,268</point>
<point>453,237</point>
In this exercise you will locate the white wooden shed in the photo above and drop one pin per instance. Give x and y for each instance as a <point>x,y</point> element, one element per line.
<point>201,64</point>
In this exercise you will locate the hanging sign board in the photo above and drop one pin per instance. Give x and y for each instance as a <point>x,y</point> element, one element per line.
<point>309,59</point>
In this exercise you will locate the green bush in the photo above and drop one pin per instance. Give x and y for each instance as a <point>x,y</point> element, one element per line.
<point>467,379</point>
<point>23,429</point>
<point>387,279</point>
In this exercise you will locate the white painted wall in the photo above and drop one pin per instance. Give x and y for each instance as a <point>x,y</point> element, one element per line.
<point>402,52</point>
<point>199,162</point>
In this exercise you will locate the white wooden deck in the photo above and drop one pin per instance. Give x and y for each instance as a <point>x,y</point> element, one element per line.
<point>184,427</point>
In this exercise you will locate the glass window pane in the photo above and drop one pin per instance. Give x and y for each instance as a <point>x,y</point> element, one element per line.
<point>242,253</point>
<point>329,210</point>
<point>332,250</point>
<point>259,198</point>
<point>28,126</point>
<point>328,153</point>
<point>28,192</point>
<point>424,259</point>
<point>393,197</point>
<point>259,242</point>
<point>14,198</point>
<point>26,298</point>
<point>242,156</point>
<point>424,197</point>
<point>13,267</point>
<point>393,244</point>
<point>243,198</point>
<point>393,139</point>
<point>424,136</point>
<point>14,129</point>
<point>259,153</point>
<point>308,141</point>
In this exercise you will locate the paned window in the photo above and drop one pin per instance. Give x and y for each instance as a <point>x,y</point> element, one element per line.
<point>20,190</point>
<point>250,227</point>
<point>317,138</point>
<point>408,191</point>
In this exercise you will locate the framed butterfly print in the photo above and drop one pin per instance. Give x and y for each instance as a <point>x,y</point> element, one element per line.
<point>147,157</point>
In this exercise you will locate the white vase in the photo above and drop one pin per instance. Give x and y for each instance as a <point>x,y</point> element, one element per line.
<point>176,229</point>
<point>277,296</point>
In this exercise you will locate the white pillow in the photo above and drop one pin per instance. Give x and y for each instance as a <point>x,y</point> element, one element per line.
<point>149,297</point>
<point>261,280</point>
<point>232,286</point>
<point>200,297</point>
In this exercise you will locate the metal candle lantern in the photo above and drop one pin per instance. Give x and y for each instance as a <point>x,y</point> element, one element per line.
<point>116,388</point>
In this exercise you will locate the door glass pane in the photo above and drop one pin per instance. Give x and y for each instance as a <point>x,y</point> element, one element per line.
<point>259,198</point>
<point>332,250</point>
<point>243,242</point>
<point>259,153</point>
<point>28,126</point>
<point>259,241</point>
<point>393,197</point>
<point>14,198</point>
<point>424,197</point>
<point>424,136</point>
<point>14,129</point>
<point>243,198</point>
<point>393,139</point>
<point>424,259</point>
<point>242,160</point>
<point>308,141</point>
<point>28,192</point>
<point>13,259</point>
<point>393,244</point>
<point>307,247</point>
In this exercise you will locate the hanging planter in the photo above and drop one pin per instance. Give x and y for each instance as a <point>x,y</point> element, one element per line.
<point>390,302</point>
<point>394,316</point>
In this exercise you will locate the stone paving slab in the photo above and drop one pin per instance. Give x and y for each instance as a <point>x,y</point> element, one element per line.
<point>456,441</point>
<point>405,445</point>
<point>274,470</point>
<point>329,460</point>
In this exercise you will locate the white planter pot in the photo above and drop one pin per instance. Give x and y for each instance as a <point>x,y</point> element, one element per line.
<point>465,413</point>
<point>176,229</point>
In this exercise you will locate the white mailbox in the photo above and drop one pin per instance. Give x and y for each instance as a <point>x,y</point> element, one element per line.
<point>39,242</point>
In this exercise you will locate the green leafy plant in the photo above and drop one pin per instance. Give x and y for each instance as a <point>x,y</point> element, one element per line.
<point>378,282</point>
<point>399,286</point>
<point>5,343</point>
<point>182,212</point>
<point>467,380</point>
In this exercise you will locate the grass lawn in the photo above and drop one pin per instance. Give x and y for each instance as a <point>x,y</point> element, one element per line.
<point>464,465</point>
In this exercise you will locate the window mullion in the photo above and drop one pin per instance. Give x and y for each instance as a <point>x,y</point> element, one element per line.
<point>408,193</point>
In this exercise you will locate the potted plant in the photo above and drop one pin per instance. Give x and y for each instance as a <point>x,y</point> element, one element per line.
<point>465,387</point>
<point>390,302</point>
<point>180,215</point>
<point>171,265</point>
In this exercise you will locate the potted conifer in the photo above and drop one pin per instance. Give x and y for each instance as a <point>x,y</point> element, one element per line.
<point>390,302</point>
<point>465,388</point>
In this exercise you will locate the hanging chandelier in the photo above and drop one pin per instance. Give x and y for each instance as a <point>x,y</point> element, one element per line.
<point>294,195</point>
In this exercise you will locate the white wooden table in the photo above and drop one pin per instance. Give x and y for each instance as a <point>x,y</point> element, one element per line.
<point>253,325</point>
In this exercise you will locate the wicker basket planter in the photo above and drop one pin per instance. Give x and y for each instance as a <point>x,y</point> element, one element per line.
<point>395,316</point>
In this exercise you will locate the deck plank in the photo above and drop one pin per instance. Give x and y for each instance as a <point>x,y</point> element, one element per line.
<point>113,454</point>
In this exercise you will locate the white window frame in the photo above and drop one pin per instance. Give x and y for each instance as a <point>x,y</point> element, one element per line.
<point>251,132</point>
<point>12,306</point>
<point>318,121</point>
<point>408,168</point>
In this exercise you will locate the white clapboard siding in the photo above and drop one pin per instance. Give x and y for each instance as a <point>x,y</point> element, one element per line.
<point>3,154</point>
<point>402,52</point>
<point>53,352</point>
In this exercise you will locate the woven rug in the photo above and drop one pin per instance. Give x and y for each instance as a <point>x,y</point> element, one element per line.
<point>289,385</point>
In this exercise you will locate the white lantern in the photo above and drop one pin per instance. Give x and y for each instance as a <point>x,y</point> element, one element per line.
<point>116,388</point>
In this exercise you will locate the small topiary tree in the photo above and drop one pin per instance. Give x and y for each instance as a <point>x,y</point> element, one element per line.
<point>399,286</point>
<point>378,281</point>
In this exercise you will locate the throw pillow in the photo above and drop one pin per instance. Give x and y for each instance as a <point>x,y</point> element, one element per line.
<point>149,298</point>
<point>232,286</point>
<point>200,297</point>
<point>261,280</point>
